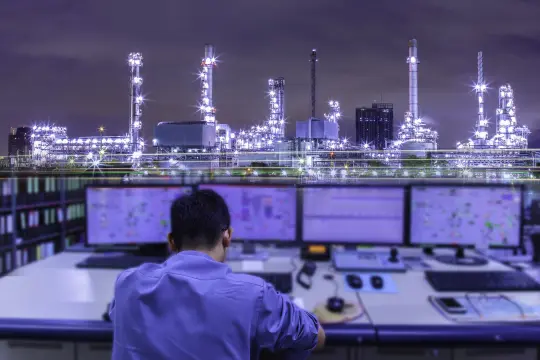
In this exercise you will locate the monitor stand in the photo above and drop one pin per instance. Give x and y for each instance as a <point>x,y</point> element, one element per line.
<point>151,250</point>
<point>460,259</point>
<point>248,251</point>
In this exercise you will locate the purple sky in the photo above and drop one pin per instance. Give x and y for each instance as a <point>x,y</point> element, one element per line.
<point>64,60</point>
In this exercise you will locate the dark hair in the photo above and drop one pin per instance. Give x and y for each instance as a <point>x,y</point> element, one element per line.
<point>198,219</point>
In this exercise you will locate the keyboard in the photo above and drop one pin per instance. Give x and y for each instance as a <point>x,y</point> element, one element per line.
<point>283,282</point>
<point>481,281</point>
<point>117,261</point>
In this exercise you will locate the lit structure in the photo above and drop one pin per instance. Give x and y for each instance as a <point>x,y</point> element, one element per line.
<point>276,119</point>
<point>414,134</point>
<point>509,134</point>
<point>481,131</point>
<point>335,112</point>
<point>135,62</point>
<point>51,144</point>
<point>206,105</point>
<point>263,137</point>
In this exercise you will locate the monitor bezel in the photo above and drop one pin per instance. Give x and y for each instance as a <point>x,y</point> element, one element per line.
<point>330,242</point>
<point>123,186</point>
<point>281,243</point>
<point>519,187</point>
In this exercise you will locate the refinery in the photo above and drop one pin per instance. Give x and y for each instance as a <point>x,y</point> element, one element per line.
<point>316,151</point>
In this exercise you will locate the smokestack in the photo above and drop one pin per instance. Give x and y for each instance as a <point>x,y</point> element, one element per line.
<point>412,60</point>
<point>313,60</point>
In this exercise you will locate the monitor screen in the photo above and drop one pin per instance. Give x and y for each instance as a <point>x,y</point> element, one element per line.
<point>353,215</point>
<point>466,215</point>
<point>260,213</point>
<point>129,215</point>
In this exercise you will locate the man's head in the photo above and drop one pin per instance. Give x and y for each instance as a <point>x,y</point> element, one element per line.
<point>201,221</point>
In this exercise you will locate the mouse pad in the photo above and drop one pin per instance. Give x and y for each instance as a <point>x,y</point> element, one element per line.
<point>389,286</point>
<point>351,312</point>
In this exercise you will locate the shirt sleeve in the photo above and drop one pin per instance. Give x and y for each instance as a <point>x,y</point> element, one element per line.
<point>284,326</point>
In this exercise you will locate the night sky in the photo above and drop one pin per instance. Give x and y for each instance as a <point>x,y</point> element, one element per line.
<point>65,60</point>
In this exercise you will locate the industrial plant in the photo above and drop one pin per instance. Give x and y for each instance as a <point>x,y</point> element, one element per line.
<point>316,148</point>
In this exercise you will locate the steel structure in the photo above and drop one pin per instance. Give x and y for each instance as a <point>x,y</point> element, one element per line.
<point>206,105</point>
<point>334,113</point>
<point>135,62</point>
<point>276,119</point>
<point>313,60</point>
<point>509,135</point>
<point>414,134</point>
<point>481,130</point>
<point>263,137</point>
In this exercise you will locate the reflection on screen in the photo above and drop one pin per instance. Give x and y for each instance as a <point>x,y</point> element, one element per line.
<point>260,213</point>
<point>353,215</point>
<point>481,216</point>
<point>130,215</point>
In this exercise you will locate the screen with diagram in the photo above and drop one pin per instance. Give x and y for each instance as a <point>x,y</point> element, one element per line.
<point>363,215</point>
<point>260,213</point>
<point>130,215</point>
<point>474,215</point>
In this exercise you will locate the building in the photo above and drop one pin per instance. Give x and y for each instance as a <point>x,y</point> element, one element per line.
<point>375,125</point>
<point>19,141</point>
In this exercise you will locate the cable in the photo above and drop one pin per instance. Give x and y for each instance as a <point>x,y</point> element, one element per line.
<point>330,277</point>
<point>364,311</point>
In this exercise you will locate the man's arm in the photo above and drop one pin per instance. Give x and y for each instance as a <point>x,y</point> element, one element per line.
<point>284,326</point>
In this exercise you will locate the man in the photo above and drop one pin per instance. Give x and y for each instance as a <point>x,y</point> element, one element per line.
<point>193,307</point>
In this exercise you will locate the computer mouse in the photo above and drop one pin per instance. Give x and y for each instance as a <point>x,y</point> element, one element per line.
<point>377,282</point>
<point>335,304</point>
<point>354,281</point>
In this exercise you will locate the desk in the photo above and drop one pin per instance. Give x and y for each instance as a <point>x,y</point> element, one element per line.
<point>52,299</point>
<point>408,318</point>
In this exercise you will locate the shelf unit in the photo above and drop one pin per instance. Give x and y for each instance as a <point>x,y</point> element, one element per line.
<point>39,216</point>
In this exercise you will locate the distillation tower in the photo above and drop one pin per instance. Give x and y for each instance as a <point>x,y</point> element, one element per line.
<point>509,134</point>
<point>206,105</point>
<point>263,137</point>
<point>334,113</point>
<point>414,134</point>
<point>503,149</point>
<point>135,62</point>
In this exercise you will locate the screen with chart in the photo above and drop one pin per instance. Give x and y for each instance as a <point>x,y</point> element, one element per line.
<point>130,215</point>
<point>474,215</point>
<point>363,215</point>
<point>260,213</point>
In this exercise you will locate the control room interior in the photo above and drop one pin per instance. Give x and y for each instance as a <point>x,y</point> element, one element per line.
<point>392,271</point>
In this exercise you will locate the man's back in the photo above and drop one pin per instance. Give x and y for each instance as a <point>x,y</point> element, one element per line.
<point>193,307</point>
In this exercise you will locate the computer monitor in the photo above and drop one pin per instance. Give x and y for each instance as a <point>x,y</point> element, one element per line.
<point>129,215</point>
<point>353,215</point>
<point>260,213</point>
<point>465,216</point>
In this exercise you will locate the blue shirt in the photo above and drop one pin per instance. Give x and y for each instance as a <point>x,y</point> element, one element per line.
<point>192,307</point>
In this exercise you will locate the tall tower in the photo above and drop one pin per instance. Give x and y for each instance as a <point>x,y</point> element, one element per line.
<point>413,62</point>
<point>206,106</point>
<point>480,134</point>
<point>276,119</point>
<point>313,60</point>
<point>135,62</point>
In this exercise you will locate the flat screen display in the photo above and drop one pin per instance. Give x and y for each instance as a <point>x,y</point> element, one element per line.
<point>466,215</point>
<point>363,215</point>
<point>260,213</point>
<point>130,215</point>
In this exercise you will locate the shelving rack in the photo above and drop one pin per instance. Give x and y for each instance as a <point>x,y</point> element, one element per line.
<point>39,217</point>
